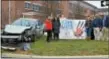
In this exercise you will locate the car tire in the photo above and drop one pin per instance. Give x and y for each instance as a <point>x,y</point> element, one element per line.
<point>26,36</point>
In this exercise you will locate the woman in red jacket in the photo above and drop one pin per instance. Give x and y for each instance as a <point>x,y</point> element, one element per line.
<point>48,28</point>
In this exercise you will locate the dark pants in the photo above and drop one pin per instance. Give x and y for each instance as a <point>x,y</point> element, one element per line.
<point>88,31</point>
<point>56,36</point>
<point>92,34</point>
<point>49,35</point>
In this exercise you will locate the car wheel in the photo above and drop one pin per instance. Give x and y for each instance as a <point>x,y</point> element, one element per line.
<point>27,37</point>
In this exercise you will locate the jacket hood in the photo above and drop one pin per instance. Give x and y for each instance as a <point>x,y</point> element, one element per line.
<point>15,29</point>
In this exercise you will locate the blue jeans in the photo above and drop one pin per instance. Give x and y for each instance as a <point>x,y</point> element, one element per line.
<point>26,46</point>
<point>88,31</point>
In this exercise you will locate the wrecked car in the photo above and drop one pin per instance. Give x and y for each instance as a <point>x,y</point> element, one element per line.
<point>22,30</point>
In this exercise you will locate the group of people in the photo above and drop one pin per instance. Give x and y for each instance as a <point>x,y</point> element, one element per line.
<point>52,27</point>
<point>97,27</point>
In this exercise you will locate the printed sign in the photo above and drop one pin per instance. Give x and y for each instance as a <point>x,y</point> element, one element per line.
<point>72,29</point>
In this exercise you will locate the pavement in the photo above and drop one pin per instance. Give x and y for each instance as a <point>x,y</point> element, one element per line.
<point>13,55</point>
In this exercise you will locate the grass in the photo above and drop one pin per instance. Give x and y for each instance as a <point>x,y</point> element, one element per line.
<point>68,47</point>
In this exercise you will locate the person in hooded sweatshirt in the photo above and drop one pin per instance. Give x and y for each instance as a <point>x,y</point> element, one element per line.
<point>56,27</point>
<point>48,28</point>
<point>97,25</point>
<point>88,26</point>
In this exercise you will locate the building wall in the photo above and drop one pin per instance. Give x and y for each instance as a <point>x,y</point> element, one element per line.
<point>105,11</point>
<point>64,7</point>
<point>41,14</point>
<point>12,12</point>
<point>17,8</point>
<point>4,12</point>
<point>81,9</point>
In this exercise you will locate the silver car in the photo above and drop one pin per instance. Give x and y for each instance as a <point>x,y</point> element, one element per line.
<point>22,30</point>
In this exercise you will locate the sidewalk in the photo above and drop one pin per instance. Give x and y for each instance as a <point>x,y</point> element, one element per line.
<point>37,56</point>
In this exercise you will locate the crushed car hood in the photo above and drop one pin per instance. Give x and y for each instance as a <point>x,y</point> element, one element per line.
<point>15,29</point>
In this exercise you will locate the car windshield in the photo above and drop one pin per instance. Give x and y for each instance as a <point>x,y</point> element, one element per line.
<point>24,22</point>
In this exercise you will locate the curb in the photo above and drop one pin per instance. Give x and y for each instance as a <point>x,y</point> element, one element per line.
<point>37,56</point>
<point>12,55</point>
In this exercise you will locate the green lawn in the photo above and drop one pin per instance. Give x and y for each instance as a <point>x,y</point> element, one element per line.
<point>68,47</point>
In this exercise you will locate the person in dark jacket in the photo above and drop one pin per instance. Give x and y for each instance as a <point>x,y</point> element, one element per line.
<point>105,30</point>
<point>88,26</point>
<point>97,25</point>
<point>107,21</point>
<point>92,32</point>
<point>56,27</point>
<point>48,28</point>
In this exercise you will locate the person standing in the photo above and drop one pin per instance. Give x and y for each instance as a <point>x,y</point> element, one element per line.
<point>88,26</point>
<point>48,28</point>
<point>105,30</point>
<point>92,32</point>
<point>97,25</point>
<point>56,27</point>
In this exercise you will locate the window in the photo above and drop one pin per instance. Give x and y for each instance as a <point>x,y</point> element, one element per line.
<point>57,1</point>
<point>42,8</point>
<point>58,11</point>
<point>27,5</point>
<point>36,7</point>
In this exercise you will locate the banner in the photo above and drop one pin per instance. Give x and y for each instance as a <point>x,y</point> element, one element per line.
<point>72,29</point>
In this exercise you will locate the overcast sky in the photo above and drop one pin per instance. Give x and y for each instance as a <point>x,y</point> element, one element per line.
<point>96,3</point>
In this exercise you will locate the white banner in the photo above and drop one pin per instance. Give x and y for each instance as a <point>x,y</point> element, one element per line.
<point>72,29</point>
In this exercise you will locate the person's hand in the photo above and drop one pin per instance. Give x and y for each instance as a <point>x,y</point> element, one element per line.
<point>79,29</point>
<point>78,32</point>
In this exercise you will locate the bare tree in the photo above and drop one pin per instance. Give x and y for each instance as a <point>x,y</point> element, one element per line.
<point>78,10</point>
<point>51,7</point>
